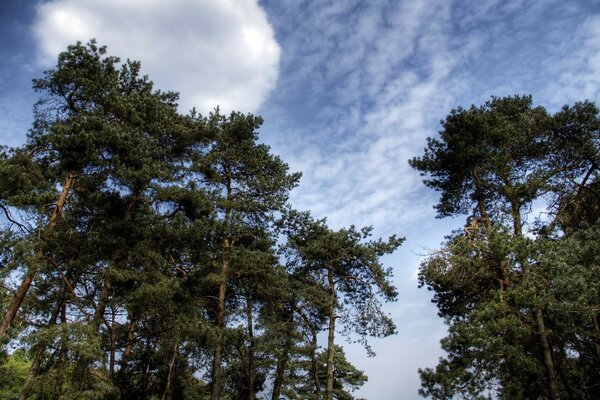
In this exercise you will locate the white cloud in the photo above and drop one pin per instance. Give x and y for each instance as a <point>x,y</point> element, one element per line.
<point>212,52</point>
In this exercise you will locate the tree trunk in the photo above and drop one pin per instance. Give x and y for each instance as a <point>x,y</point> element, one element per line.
<point>62,357</point>
<point>220,325</point>
<point>171,373</point>
<point>82,365</point>
<point>113,339</point>
<point>17,300</point>
<point>331,334</point>
<point>597,329</point>
<point>220,309</point>
<point>128,347</point>
<point>251,363</point>
<point>315,365</point>
<point>553,391</point>
<point>546,349</point>
<point>281,367</point>
<point>39,350</point>
<point>313,354</point>
<point>516,214</point>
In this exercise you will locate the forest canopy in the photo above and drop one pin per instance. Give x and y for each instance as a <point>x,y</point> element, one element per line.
<point>145,253</point>
<point>150,254</point>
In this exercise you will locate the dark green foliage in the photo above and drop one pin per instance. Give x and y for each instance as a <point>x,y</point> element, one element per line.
<point>346,269</point>
<point>346,377</point>
<point>519,291</point>
<point>145,242</point>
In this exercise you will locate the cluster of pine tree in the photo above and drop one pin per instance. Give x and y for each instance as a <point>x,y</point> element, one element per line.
<point>519,286</point>
<point>149,254</point>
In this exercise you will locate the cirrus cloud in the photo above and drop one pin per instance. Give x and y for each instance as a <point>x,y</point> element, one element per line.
<point>213,53</point>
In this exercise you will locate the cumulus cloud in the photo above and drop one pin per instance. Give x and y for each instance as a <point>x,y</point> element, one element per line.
<point>213,52</point>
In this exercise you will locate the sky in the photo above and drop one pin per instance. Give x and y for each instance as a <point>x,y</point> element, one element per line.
<point>349,91</point>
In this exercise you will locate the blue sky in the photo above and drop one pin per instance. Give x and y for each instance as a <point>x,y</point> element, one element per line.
<point>349,91</point>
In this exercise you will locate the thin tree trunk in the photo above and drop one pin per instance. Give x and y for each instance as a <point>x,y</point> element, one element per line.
<point>313,354</point>
<point>564,377</point>
<point>82,365</point>
<point>17,300</point>
<point>597,329</point>
<point>62,357</point>
<point>315,366</point>
<point>553,391</point>
<point>111,363</point>
<point>331,334</point>
<point>220,309</point>
<point>546,349</point>
<point>220,325</point>
<point>39,351</point>
<point>516,214</point>
<point>167,393</point>
<point>281,367</point>
<point>251,364</point>
<point>128,347</point>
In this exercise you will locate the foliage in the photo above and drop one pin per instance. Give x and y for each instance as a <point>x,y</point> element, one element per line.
<point>13,374</point>
<point>144,243</point>
<point>518,292</point>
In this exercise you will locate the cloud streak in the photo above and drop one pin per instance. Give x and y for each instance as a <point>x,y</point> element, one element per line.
<point>368,81</point>
<point>370,76</point>
<point>364,83</point>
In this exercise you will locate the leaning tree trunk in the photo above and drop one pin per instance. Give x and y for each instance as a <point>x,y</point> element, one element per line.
<point>171,373</point>
<point>17,300</point>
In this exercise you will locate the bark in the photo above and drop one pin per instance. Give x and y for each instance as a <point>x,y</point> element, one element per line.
<point>516,214</point>
<point>128,347</point>
<point>331,335</point>
<point>315,366</point>
<point>220,309</point>
<point>101,307</point>
<point>545,347</point>
<point>39,351</point>
<point>220,325</point>
<point>83,363</point>
<point>479,194</point>
<point>313,354</point>
<point>111,363</point>
<point>251,363</point>
<point>279,373</point>
<point>553,391</point>
<point>62,357</point>
<point>167,393</point>
<point>597,329</point>
<point>17,300</point>
<point>280,369</point>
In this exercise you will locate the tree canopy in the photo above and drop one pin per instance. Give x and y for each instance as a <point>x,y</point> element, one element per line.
<point>141,253</point>
<point>519,291</point>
